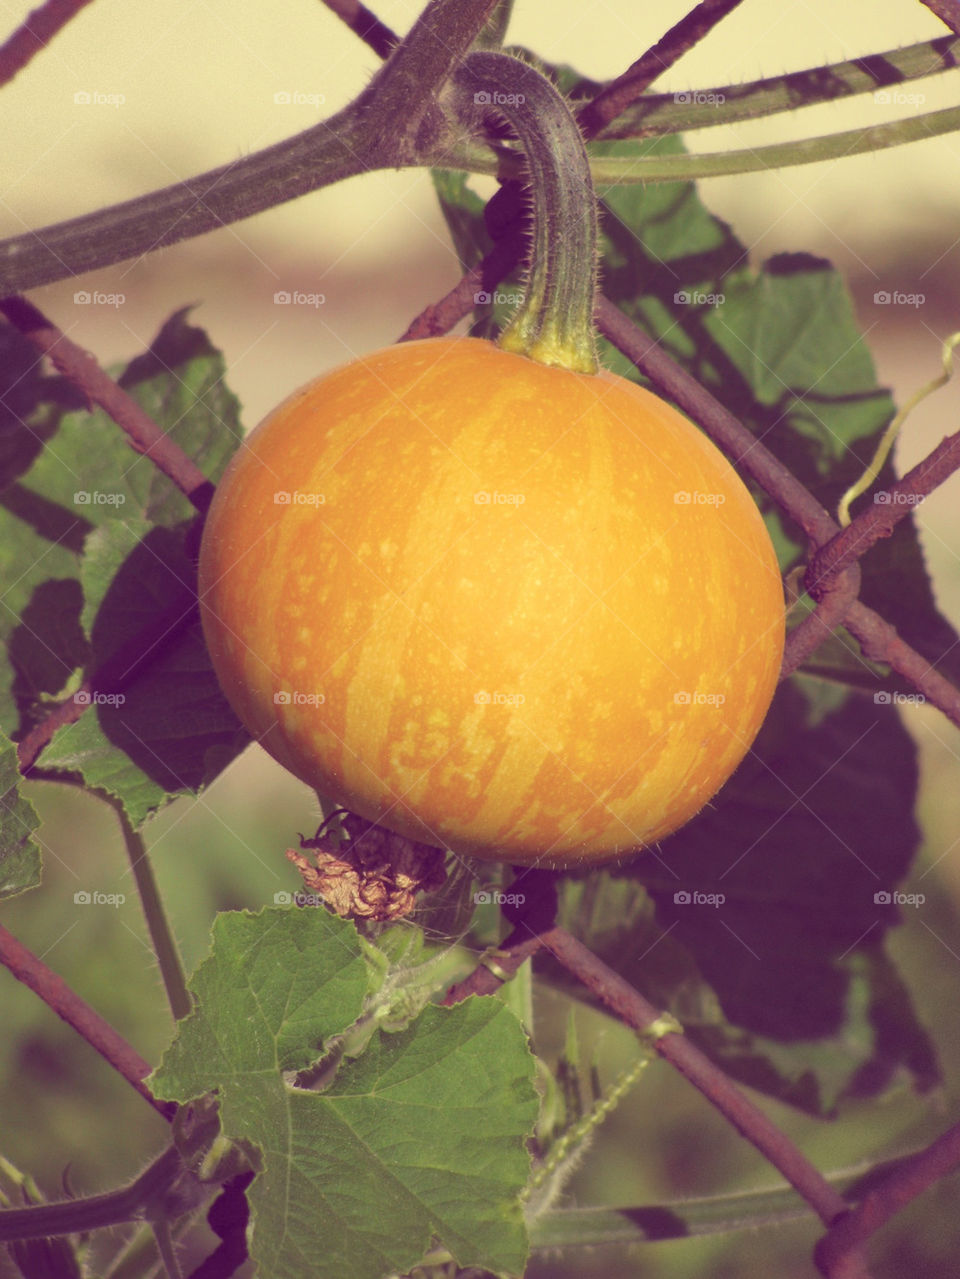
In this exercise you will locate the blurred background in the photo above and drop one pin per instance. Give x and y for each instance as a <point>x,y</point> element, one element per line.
<point>181,88</point>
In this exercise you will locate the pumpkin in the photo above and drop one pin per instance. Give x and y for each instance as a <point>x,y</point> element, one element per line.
<point>524,613</point>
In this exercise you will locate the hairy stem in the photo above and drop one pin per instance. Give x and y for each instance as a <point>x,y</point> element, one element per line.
<point>680,39</point>
<point>164,945</point>
<point>554,322</point>
<point>128,1203</point>
<point>731,103</point>
<point>34,34</point>
<point>383,128</point>
<point>345,145</point>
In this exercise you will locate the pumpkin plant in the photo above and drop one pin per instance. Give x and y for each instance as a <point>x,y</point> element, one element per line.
<point>490,596</point>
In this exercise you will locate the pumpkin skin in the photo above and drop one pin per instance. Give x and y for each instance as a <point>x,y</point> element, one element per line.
<point>527,614</point>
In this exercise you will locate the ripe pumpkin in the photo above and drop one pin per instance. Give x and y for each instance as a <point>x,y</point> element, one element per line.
<point>528,614</point>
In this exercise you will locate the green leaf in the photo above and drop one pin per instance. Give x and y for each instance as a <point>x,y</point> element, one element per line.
<point>767,935</point>
<point>463,212</point>
<point>171,730</point>
<point>19,854</point>
<point>422,1136</point>
<point>781,349</point>
<point>40,544</point>
<point>98,544</point>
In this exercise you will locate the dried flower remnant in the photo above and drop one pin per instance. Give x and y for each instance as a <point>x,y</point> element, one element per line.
<point>363,871</point>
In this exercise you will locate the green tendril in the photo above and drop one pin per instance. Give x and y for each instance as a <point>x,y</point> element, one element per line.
<point>893,430</point>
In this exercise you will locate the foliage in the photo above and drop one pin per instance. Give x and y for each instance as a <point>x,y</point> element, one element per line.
<point>372,1127</point>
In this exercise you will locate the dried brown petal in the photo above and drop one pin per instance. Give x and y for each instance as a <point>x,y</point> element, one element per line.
<point>372,874</point>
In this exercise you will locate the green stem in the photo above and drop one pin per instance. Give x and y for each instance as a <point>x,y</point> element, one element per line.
<point>617,170</point>
<point>683,1218</point>
<point>342,147</point>
<point>129,1203</point>
<point>384,128</point>
<point>164,945</point>
<point>731,103</point>
<point>554,322</point>
<point>140,1256</point>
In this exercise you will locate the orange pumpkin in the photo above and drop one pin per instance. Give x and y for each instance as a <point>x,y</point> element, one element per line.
<point>527,614</point>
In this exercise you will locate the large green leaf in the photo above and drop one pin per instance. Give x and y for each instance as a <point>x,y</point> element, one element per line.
<point>763,920</point>
<point>171,729</point>
<point>422,1136</point>
<point>19,854</point>
<point>97,543</point>
<point>781,348</point>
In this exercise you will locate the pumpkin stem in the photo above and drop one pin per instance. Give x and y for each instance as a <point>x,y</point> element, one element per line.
<point>554,322</point>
